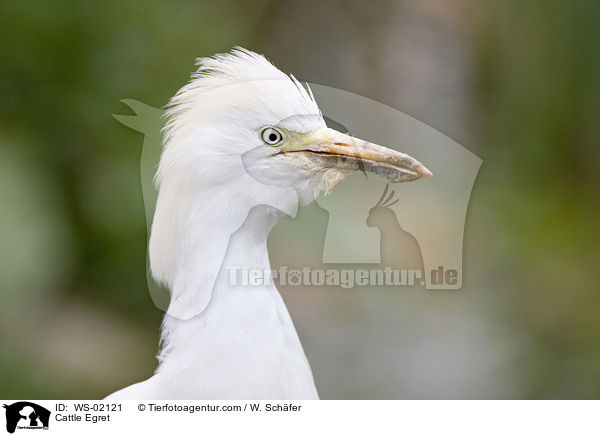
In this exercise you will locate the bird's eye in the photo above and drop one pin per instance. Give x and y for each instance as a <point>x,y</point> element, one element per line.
<point>271,136</point>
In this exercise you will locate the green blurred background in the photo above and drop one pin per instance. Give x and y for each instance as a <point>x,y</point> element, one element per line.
<point>516,82</point>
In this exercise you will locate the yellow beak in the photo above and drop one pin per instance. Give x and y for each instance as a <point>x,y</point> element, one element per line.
<point>329,148</point>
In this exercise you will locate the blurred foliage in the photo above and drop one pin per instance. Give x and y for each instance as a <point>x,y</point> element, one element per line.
<point>539,93</point>
<point>73,235</point>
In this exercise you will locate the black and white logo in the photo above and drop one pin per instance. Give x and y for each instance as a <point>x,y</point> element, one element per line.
<point>26,415</point>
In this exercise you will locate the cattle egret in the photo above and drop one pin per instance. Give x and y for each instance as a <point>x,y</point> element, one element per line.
<point>244,143</point>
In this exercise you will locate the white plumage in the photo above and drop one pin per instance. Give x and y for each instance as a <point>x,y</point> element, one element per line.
<point>223,185</point>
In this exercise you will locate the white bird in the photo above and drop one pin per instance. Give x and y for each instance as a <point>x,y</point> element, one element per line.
<point>244,144</point>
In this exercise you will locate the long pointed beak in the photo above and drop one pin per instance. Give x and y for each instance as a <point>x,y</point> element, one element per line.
<point>331,149</point>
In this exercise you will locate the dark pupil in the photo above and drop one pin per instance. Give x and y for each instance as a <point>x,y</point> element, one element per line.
<point>273,137</point>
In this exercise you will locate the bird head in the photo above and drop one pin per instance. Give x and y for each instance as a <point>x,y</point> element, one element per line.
<point>239,107</point>
<point>240,134</point>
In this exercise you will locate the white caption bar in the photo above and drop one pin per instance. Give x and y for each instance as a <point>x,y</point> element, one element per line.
<point>303,417</point>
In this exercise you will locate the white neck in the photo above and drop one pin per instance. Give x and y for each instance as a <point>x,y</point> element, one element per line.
<point>243,344</point>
